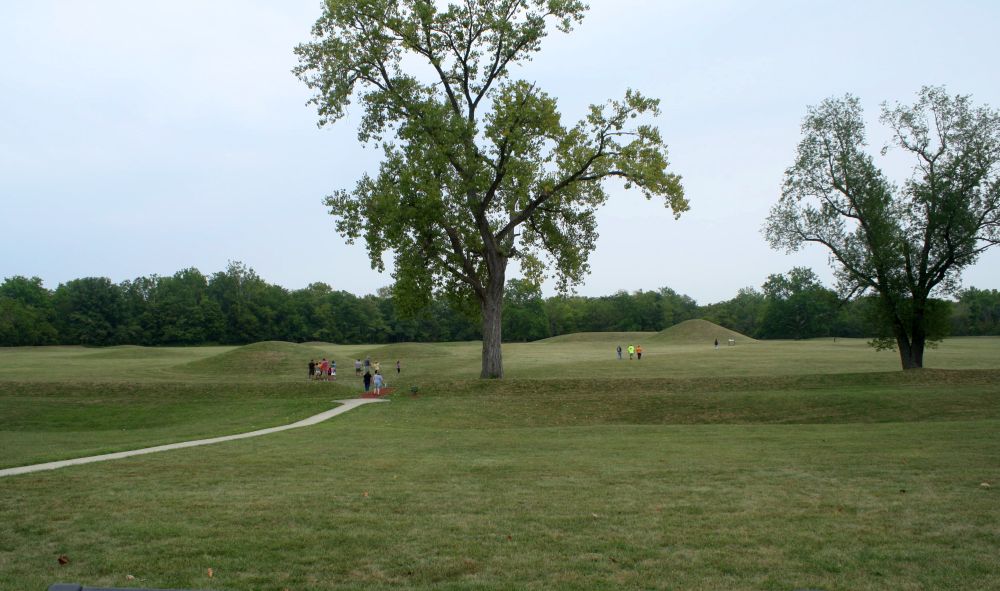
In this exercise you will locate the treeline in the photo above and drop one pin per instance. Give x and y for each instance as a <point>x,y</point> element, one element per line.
<point>236,306</point>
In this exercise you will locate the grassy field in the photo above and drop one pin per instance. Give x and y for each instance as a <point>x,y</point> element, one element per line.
<point>768,465</point>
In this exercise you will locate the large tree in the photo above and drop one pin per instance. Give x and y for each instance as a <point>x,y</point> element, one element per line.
<point>478,170</point>
<point>25,312</point>
<point>797,306</point>
<point>90,311</point>
<point>901,242</point>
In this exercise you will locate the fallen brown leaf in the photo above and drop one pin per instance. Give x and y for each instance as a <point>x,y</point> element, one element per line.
<point>211,573</point>
<point>63,559</point>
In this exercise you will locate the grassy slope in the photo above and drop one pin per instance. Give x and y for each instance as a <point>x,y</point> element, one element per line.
<point>700,332</point>
<point>756,467</point>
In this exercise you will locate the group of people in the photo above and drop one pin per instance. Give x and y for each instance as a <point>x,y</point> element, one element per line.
<point>324,370</point>
<point>373,381</point>
<point>633,351</point>
<point>372,377</point>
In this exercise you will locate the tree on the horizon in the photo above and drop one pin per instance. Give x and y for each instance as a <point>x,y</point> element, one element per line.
<point>90,311</point>
<point>742,313</point>
<point>977,312</point>
<point>25,312</point>
<point>479,170</point>
<point>524,317</point>
<point>797,306</point>
<point>900,242</point>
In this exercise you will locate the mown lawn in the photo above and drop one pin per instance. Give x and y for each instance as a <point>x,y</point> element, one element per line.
<point>727,475</point>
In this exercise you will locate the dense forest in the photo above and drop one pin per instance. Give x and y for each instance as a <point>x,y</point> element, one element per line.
<point>236,306</point>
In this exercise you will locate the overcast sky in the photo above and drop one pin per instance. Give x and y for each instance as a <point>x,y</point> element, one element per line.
<point>141,138</point>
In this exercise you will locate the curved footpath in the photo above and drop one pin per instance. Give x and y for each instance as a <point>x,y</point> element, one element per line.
<point>346,405</point>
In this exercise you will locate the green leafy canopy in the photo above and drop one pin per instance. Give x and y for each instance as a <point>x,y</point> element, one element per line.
<point>902,242</point>
<point>479,168</point>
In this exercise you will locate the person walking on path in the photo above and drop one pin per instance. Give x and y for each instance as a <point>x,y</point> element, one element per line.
<point>368,363</point>
<point>312,368</point>
<point>324,367</point>
<point>631,352</point>
<point>397,367</point>
<point>368,381</point>
<point>357,367</point>
<point>638,352</point>
<point>376,366</point>
<point>619,352</point>
<point>378,383</point>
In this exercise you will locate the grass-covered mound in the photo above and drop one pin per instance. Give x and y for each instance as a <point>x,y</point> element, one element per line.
<point>388,354</point>
<point>600,337</point>
<point>699,331</point>
<point>688,332</point>
<point>267,358</point>
<point>132,353</point>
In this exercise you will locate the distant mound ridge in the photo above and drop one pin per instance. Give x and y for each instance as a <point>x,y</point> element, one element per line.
<point>264,358</point>
<point>127,352</point>
<point>699,331</point>
<point>599,337</point>
<point>385,354</point>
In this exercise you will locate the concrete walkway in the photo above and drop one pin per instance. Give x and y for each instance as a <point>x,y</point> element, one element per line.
<point>346,405</point>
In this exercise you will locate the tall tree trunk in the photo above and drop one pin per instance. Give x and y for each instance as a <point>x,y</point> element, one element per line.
<point>909,355</point>
<point>917,352</point>
<point>492,306</point>
<point>911,344</point>
<point>916,339</point>
<point>492,355</point>
<point>909,331</point>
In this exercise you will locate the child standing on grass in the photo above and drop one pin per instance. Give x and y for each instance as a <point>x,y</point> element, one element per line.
<point>378,383</point>
<point>397,367</point>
